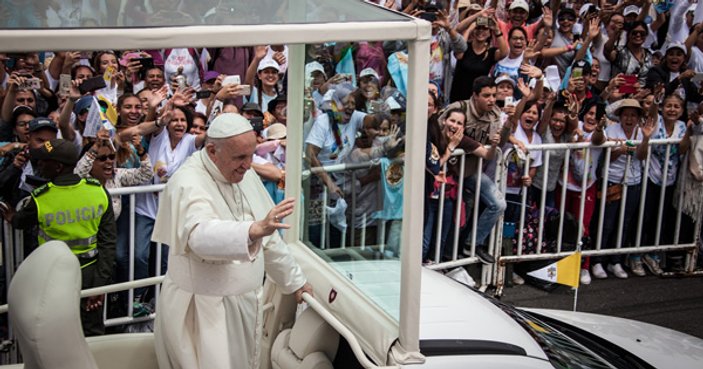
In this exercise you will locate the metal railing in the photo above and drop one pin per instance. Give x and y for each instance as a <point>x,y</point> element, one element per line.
<point>599,249</point>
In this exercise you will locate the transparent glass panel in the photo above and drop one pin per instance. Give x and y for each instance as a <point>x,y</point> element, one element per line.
<point>353,175</point>
<point>38,14</point>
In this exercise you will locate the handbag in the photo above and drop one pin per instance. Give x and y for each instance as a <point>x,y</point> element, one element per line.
<point>612,193</point>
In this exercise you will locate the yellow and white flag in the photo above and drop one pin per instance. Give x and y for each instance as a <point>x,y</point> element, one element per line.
<point>565,271</point>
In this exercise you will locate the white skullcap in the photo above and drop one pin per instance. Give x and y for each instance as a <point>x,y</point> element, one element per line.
<point>228,125</point>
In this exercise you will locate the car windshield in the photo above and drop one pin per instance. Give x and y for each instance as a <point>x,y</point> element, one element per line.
<point>562,351</point>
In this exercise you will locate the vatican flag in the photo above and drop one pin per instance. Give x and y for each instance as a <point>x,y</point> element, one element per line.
<point>565,271</point>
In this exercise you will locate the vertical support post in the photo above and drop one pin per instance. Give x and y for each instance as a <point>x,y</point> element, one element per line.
<point>418,70</point>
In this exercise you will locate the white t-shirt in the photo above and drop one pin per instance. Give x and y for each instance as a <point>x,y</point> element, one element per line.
<point>254,97</point>
<point>617,167</point>
<point>576,164</point>
<point>696,60</point>
<point>181,57</point>
<point>516,168</point>
<point>165,162</point>
<point>321,135</point>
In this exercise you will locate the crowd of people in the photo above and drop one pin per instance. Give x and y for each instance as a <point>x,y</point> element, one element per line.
<point>503,75</point>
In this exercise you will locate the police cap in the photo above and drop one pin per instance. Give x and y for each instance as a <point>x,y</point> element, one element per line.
<point>58,150</point>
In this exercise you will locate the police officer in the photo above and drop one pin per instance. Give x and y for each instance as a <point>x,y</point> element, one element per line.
<point>77,211</point>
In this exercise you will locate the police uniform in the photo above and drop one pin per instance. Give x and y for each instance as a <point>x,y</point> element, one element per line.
<point>77,211</point>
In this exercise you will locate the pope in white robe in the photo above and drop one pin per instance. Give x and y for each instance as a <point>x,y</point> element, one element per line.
<point>222,229</point>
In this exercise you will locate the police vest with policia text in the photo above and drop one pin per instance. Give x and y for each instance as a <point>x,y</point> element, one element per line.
<point>72,214</point>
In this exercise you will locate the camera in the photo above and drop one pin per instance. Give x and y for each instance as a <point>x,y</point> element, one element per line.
<point>481,22</point>
<point>31,83</point>
<point>257,123</point>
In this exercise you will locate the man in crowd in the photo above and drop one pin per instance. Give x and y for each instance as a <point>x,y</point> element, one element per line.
<point>482,123</point>
<point>222,241</point>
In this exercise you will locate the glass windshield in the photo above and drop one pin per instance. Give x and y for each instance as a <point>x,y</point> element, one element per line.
<point>354,167</point>
<point>562,351</point>
<point>40,14</point>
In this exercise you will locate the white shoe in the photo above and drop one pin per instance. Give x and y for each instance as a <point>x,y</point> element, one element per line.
<point>617,270</point>
<point>517,280</point>
<point>585,276</point>
<point>598,271</point>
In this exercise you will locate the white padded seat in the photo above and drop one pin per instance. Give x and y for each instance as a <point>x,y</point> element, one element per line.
<point>44,299</point>
<point>44,311</point>
<point>310,344</point>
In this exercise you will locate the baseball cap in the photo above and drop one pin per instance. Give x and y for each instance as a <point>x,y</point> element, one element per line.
<point>314,67</point>
<point>252,107</point>
<point>519,4</point>
<point>631,9</point>
<point>82,104</point>
<point>369,72</point>
<point>42,122</point>
<point>272,104</point>
<point>210,75</point>
<point>564,11</point>
<point>675,45</point>
<point>21,109</point>
<point>505,78</point>
<point>58,150</point>
<point>268,63</point>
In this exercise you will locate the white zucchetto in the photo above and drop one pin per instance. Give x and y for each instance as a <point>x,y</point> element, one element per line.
<point>228,125</point>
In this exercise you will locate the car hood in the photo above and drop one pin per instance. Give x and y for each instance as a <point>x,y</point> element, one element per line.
<point>661,347</point>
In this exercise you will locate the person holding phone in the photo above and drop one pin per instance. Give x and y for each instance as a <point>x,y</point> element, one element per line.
<point>479,57</point>
<point>674,74</point>
<point>632,58</point>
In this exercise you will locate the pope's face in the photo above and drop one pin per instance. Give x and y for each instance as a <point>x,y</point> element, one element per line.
<point>233,156</point>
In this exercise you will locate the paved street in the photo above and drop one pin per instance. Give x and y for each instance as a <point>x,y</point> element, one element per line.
<point>675,303</point>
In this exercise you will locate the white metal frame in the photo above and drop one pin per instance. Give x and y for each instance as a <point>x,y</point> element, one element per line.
<point>416,32</point>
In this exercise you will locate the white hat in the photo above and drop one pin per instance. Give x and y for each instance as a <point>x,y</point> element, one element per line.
<point>505,78</point>
<point>675,45</point>
<point>228,125</point>
<point>691,8</point>
<point>631,9</point>
<point>276,131</point>
<point>584,9</point>
<point>268,63</point>
<point>522,4</point>
<point>314,66</point>
<point>369,72</point>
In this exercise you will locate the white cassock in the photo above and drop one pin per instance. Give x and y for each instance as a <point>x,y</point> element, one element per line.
<point>209,314</point>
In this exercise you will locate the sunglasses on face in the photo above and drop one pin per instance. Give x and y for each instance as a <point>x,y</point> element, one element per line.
<point>567,18</point>
<point>638,33</point>
<point>105,157</point>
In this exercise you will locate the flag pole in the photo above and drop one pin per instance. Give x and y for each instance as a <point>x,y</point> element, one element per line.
<point>576,292</point>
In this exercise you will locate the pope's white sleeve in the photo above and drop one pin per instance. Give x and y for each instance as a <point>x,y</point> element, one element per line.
<point>222,240</point>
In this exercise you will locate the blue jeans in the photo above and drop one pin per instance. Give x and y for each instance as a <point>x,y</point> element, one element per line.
<point>494,202</point>
<point>143,228</point>
<point>122,247</point>
<point>431,215</point>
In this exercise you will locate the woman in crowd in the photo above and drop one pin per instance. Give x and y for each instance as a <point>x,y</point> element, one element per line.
<point>377,138</point>
<point>631,58</point>
<point>624,171</point>
<point>668,126</point>
<point>443,140</point>
<point>478,59</point>
<point>169,147</point>
<point>99,162</point>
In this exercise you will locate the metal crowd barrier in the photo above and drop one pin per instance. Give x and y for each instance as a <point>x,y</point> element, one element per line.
<point>638,248</point>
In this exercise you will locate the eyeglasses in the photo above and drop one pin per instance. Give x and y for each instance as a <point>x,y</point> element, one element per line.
<point>22,123</point>
<point>638,33</point>
<point>567,18</point>
<point>105,157</point>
